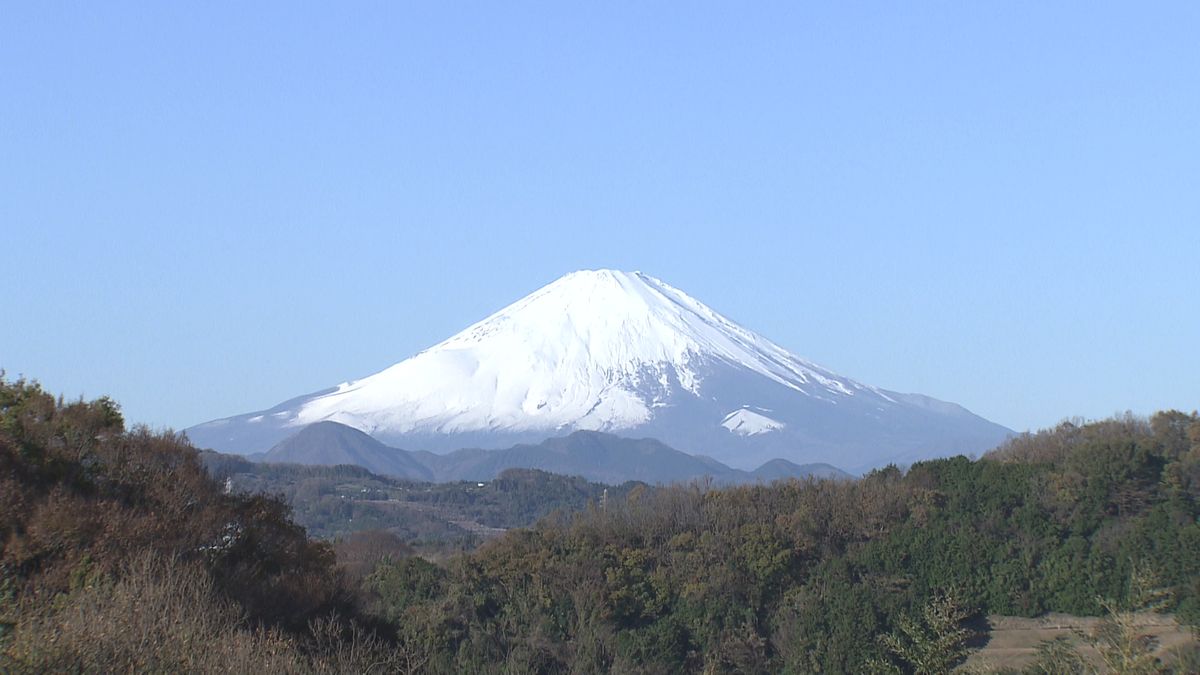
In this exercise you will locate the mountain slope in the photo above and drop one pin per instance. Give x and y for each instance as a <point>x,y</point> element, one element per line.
<point>596,456</point>
<point>329,443</point>
<point>780,469</point>
<point>623,352</point>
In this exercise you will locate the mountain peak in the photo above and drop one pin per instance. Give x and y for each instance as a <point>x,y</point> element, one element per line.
<point>592,350</point>
<point>607,350</point>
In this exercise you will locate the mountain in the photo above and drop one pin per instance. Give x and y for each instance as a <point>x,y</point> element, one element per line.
<point>623,353</point>
<point>329,443</point>
<point>779,469</point>
<point>594,455</point>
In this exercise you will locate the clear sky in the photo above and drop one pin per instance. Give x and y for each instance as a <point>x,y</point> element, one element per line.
<point>207,208</point>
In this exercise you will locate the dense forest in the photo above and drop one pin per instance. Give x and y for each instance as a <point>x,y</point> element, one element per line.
<point>333,502</point>
<point>803,576</point>
<point>120,551</point>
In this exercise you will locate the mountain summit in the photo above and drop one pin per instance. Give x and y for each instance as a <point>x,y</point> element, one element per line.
<point>625,353</point>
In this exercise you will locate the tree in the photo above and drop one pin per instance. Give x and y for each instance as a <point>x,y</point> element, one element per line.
<point>929,644</point>
<point>1123,646</point>
<point>1119,639</point>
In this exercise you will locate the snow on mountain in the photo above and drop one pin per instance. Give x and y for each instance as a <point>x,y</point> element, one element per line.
<point>746,422</point>
<point>593,350</point>
<point>627,353</point>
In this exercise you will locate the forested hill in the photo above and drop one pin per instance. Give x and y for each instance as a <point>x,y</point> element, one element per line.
<point>804,576</point>
<point>121,554</point>
<point>332,502</point>
<point>118,553</point>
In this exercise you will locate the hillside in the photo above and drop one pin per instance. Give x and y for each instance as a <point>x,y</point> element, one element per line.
<point>1094,520</point>
<point>333,502</point>
<point>120,553</point>
<point>595,456</point>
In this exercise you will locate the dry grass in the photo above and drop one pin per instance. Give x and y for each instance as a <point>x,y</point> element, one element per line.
<point>1013,641</point>
<point>160,616</point>
<point>164,616</point>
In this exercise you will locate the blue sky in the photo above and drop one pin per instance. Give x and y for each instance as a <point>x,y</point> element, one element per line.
<point>208,208</point>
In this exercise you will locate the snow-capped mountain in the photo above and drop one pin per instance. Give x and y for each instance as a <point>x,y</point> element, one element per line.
<point>624,353</point>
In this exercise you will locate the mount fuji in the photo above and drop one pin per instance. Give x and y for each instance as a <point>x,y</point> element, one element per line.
<point>622,353</point>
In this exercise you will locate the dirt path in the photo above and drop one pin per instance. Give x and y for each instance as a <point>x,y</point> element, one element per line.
<point>474,527</point>
<point>1013,640</point>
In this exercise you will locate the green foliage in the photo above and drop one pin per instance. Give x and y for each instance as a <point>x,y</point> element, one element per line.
<point>1120,641</point>
<point>1057,657</point>
<point>405,583</point>
<point>333,502</point>
<point>801,576</point>
<point>933,642</point>
<point>795,577</point>
<point>8,608</point>
<point>1122,645</point>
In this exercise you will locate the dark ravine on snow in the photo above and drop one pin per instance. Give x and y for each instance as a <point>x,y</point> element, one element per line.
<point>627,354</point>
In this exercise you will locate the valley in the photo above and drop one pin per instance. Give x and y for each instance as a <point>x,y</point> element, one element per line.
<point>435,519</point>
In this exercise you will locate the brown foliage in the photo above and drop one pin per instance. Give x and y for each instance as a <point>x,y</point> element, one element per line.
<point>165,615</point>
<point>158,616</point>
<point>361,552</point>
<point>82,495</point>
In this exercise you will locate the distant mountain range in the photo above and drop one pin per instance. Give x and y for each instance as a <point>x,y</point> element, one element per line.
<point>628,354</point>
<point>596,456</point>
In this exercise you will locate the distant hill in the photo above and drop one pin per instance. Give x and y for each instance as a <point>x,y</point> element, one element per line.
<point>333,502</point>
<point>330,443</point>
<point>593,455</point>
<point>778,469</point>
